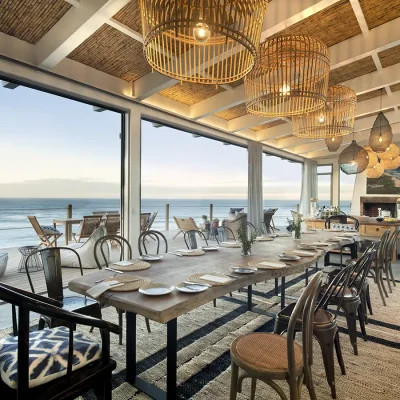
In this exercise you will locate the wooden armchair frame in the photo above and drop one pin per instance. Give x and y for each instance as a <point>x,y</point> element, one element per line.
<point>46,239</point>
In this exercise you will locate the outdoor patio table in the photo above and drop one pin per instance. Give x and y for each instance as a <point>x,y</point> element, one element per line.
<point>68,222</point>
<point>173,270</point>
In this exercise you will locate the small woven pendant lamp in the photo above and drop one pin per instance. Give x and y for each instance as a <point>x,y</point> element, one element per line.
<point>353,159</point>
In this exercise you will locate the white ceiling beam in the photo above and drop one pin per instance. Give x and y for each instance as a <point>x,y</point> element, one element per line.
<point>284,13</point>
<point>355,4</point>
<point>150,84</point>
<point>247,121</point>
<point>75,3</point>
<point>125,29</point>
<point>217,103</point>
<point>73,29</point>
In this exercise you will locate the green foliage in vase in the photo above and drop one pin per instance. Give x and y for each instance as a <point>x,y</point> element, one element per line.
<point>295,226</point>
<point>246,240</point>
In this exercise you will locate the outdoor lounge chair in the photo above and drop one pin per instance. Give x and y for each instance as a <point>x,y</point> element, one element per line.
<point>47,234</point>
<point>144,221</point>
<point>112,224</point>
<point>87,227</point>
<point>185,224</point>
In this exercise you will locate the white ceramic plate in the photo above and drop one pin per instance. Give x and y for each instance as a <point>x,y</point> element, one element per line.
<point>210,248</point>
<point>243,270</point>
<point>289,258</point>
<point>193,288</point>
<point>306,247</point>
<point>151,257</point>
<point>156,289</point>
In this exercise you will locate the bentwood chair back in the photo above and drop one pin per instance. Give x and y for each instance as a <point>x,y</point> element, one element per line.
<point>380,264</point>
<point>190,239</point>
<point>270,357</point>
<point>75,375</point>
<point>390,251</point>
<point>157,236</point>
<point>341,219</point>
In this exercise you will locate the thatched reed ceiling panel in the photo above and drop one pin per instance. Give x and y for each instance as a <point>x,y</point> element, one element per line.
<point>390,56</point>
<point>352,70</point>
<point>114,53</point>
<point>369,95</point>
<point>331,25</point>
<point>385,111</point>
<point>269,125</point>
<point>378,12</point>
<point>395,87</point>
<point>130,16</point>
<point>191,93</point>
<point>233,112</point>
<point>30,20</point>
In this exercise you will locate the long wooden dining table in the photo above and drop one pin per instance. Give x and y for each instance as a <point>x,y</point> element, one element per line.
<point>173,270</point>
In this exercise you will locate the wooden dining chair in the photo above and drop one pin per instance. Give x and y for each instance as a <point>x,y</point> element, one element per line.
<point>47,239</point>
<point>324,324</point>
<point>52,267</point>
<point>89,224</point>
<point>125,253</point>
<point>269,357</point>
<point>56,363</point>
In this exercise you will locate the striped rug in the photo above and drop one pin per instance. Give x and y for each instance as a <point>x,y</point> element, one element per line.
<point>204,336</point>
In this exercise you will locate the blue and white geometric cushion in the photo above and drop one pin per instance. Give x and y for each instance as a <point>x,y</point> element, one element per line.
<point>49,230</point>
<point>48,355</point>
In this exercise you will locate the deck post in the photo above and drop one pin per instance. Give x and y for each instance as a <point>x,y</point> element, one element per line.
<point>68,232</point>
<point>167,217</point>
<point>211,211</point>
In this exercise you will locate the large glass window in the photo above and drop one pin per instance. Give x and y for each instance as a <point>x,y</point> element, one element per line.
<point>281,186</point>
<point>54,152</point>
<point>324,185</point>
<point>190,172</point>
<point>346,191</point>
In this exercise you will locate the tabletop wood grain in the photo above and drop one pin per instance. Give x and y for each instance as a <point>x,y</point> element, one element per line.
<point>173,270</point>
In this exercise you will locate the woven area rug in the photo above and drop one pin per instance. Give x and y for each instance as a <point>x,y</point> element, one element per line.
<point>205,334</point>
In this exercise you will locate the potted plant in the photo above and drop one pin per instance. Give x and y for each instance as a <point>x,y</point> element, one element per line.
<point>245,240</point>
<point>295,228</point>
<point>215,223</point>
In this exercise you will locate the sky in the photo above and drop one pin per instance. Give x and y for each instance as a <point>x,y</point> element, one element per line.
<point>56,147</point>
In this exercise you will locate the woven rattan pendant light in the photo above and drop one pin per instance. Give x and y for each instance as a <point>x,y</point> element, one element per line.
<point>333,143</point>
<point>289,78</point>
<point>391,152</point>
<point>391,163</point>
<point>205,41</point>
<point>353,159</point>
<point>381,133</point>
<point>372,157</point>
<point>374,172</point>
<point>336,118</point>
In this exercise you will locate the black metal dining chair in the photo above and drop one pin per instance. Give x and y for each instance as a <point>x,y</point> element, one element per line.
<point>52,267</point>
<point>83,364</point>
<point>324,326</point>
<point>390,253</point>
<point>125,251</point>
<point>157,236</point>
<point>190,238</point>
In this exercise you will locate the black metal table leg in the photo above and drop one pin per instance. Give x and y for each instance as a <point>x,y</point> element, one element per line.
<point>283,287</point>
<point>306,275</point>
<point>316,266</point>
<point>130,347</point>
<point>276,287</point>
<point>172,348</point>
<point>250,297</point>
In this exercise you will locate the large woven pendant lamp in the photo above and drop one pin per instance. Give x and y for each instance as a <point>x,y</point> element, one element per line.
<point>390,153</point>
<point>353,159</point>
<point>381,133</point>
<point>335,119</point>
<point>290,77</point>
<point>205,41</point>
<point>374,172</point>
<point>333,143</point>
<point>391,163</point>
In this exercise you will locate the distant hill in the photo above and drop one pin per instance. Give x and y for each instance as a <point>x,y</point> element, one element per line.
<point>60,188</point>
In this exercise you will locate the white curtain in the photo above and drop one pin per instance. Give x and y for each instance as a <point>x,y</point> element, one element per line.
<point>308,186</point>
<point>255,213</point>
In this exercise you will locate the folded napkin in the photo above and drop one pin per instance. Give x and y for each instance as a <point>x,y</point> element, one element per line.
<point>303,253</point>
<point>186,250</point>
<point>270,264</point>
<point>217,279</point>
<point>98,290</point>
<point>124,263</point>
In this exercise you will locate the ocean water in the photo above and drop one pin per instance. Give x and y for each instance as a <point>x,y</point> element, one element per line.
<point>15,229</point>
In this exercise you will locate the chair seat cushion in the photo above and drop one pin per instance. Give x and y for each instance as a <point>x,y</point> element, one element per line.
<point>48,355</point>
<point>50,230</point>
<point>266,352</point>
